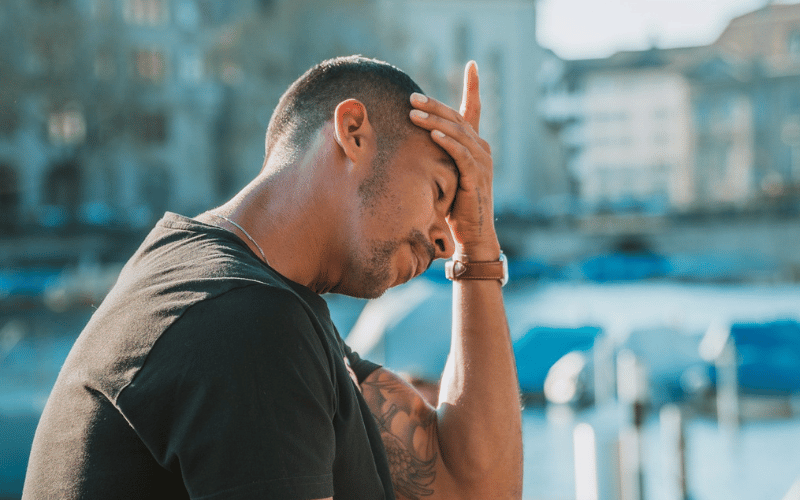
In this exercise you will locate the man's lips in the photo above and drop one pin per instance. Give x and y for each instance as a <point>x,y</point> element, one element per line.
<point>424,253</point>
<point>422,263</point>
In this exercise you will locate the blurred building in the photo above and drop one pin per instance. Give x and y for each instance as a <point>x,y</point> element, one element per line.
<point>500,35</point>
<point>635,125</point>
<point>113,111</point>
<point>762,51</point>
<point>678,130</point>
<point>106,109</point>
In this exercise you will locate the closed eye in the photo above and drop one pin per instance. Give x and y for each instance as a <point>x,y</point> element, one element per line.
<point>441,192</point>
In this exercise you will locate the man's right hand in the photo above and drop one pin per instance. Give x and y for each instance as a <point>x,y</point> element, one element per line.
<point>472,217</point>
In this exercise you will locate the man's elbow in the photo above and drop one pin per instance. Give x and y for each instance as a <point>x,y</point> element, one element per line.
<point>490,471</point>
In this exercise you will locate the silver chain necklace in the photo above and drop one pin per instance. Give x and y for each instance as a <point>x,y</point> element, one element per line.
<point>245,233</point>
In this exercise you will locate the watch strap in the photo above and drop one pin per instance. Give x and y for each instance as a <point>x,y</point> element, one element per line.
<point>492,270</point>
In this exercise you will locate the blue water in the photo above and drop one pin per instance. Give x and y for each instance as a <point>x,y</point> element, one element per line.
<point>761,463</point>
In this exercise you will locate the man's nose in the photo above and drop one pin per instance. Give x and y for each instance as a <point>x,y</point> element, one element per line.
<point>442,239</point>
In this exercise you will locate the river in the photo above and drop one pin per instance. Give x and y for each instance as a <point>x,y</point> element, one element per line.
<point>760,462</point>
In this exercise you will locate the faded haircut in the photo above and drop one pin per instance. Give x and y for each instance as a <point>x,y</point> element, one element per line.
<point>311,101</point>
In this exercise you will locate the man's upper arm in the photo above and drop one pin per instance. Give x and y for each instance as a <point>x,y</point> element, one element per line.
<point>238,395</point>
<point>408,427</point>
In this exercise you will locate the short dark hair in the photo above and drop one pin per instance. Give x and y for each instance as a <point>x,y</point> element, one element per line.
<point>311,101</point>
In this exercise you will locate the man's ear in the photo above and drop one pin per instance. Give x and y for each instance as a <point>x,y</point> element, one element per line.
<point>352,128</point>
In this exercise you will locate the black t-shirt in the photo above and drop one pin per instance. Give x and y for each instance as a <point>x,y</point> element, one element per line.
<point>205,374</point>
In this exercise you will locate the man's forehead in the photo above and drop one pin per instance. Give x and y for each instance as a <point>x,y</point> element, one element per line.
<point>422,142</point>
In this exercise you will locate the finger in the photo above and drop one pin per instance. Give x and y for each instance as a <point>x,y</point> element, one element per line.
<point>471,98</point>
<point>469,166</point>
<point>434,107</point>
<point>462,156</point>
<point>462,132</point>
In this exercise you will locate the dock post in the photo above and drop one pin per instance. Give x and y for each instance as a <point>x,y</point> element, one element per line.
<point>727,367</point>
<point>586,474</point>
<point>673,442</point>
<point>604,370</point>
<point>632,391</point>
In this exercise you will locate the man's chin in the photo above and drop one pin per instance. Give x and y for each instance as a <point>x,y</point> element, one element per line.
<point>376,292</point>
<point>363,293</point>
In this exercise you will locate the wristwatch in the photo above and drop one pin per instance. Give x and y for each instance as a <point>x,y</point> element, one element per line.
<point>492,270</point>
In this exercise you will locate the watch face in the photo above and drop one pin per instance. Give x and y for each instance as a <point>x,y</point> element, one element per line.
<point>503,259</point>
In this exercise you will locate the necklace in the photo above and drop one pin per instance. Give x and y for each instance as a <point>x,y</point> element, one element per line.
<point>245,233</point>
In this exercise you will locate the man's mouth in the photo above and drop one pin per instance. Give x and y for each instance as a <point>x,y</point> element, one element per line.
<point>424,253</point>
<point>422,263</point>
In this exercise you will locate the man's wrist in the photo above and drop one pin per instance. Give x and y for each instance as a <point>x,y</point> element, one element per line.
<point>486,252</point>
<point>457,270</point>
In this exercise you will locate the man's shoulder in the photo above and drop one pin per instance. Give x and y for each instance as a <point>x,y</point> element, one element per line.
<point>191,261</point>
<point>189,287</point>
<point>181,245</point>
<point>256,302</point>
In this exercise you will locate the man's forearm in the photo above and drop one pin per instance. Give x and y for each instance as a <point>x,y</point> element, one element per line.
<point>479,422</point>
<point>480,432</point>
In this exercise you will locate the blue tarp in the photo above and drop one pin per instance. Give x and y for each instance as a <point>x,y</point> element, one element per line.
<point>27,282</point>
<point>541,347</point>
<point>769,357</point>
<point>618,266</point>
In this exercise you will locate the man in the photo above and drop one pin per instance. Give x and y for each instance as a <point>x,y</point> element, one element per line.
<point>212,369</point>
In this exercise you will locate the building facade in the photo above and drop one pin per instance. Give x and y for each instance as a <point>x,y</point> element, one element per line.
<point>106,111</point>
<point>637,129</point>
<point>694,129</point>
<point>501,37</point>
<point>113,111</point>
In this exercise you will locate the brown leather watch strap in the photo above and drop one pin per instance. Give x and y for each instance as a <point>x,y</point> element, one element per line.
<point>493,270</point>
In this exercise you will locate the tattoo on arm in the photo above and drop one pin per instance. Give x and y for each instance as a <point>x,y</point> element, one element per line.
<point>480,211</point>
<point>407,430</point>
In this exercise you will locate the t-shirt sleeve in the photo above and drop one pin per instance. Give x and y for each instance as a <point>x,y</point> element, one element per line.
<point>238,397</point>
<point>361,367</point>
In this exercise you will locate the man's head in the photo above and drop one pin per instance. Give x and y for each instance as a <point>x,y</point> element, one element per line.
<point>382,236</point>
<point>311,101</point>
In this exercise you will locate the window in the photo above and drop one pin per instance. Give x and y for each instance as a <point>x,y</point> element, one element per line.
<point>794,43</point>
<point>187,14</point>
<point>9,121</point>
<point>104,65</point>
<point>230,72</point>
<point>62,189</point>
<point>156,189</point>
<point>9,199</point>
<point>102,10</point>
<point>150,127</point>
<point>146,12</point>
<point>191,67</point>
<point>661,137</point>
<point>53,53</point>
<point>661,113</point>
<point>266,6</point>
<point>46,4</point>
<point>67,126</point>
<point>149,65</point>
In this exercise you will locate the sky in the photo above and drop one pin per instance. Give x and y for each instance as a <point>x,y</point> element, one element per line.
<point>585,29</point>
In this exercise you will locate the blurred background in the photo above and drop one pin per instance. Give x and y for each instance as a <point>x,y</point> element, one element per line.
<point>647,159</point>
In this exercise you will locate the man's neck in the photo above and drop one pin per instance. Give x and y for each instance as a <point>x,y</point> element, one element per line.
<point>289,216</point>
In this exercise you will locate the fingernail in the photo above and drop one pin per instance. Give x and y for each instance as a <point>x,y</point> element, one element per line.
<point>418,114</point>
<point>438,133</point>
<point>417,97</point>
